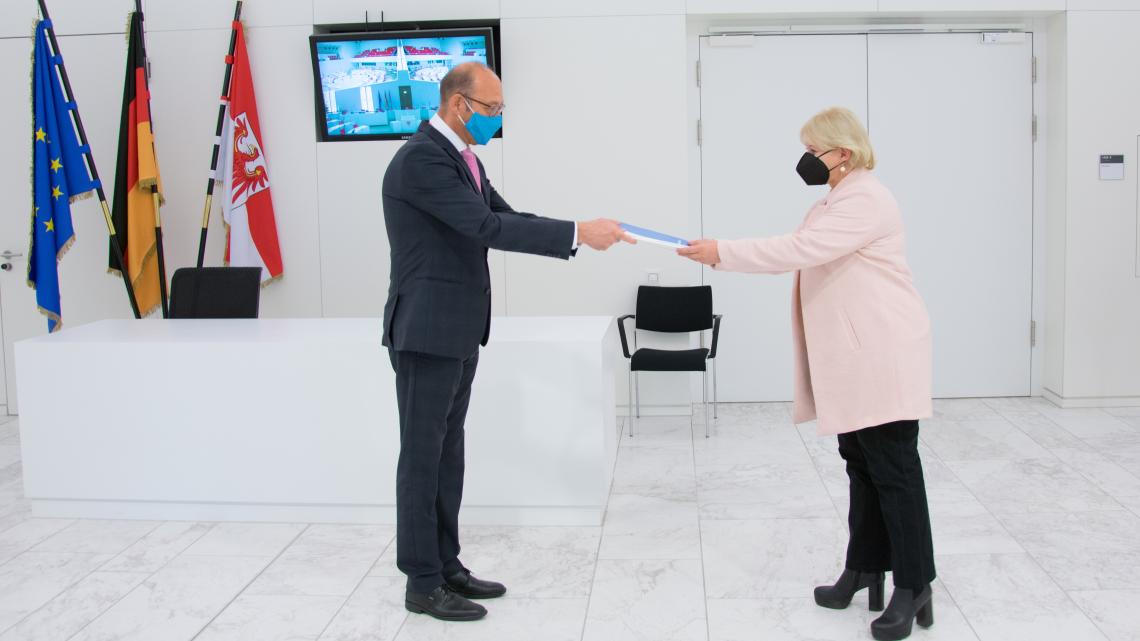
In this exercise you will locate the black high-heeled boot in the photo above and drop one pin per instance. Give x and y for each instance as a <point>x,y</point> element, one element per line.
<point>839,596</point>
<point>905,609</point>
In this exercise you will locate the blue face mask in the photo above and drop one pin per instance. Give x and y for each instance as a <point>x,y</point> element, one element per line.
<point>482,128</point>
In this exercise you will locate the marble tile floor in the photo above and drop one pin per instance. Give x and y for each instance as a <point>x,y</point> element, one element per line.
<point>1036,514</point>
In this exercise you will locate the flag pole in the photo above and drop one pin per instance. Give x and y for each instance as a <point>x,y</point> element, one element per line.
<point>116,248</point>
<point>156,198</point>
<point>218,138</point>
<point>158,244</point>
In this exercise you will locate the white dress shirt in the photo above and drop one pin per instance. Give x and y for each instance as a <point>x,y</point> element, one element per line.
<point>460,146</point>
<point>449,133</point>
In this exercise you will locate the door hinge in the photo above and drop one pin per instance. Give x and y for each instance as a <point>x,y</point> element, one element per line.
<point>698,73</point>
<point>1034,128</point>
<point>1033,73</point>
<point>700,133</point>
<point>1033,333</point>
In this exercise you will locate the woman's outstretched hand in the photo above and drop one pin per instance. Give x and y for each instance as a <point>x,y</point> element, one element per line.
<point>702,251</point>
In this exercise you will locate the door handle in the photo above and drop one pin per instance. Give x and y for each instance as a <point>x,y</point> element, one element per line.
<point>9,255</point>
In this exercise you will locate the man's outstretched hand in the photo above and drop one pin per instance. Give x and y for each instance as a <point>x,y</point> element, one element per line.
<point>601,234</point>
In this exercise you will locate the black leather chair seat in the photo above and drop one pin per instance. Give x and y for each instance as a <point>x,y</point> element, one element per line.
<point>659,360</point>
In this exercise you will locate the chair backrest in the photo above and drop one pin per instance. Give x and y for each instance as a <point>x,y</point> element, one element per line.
<point>674,309</point>
<point>215,292</point>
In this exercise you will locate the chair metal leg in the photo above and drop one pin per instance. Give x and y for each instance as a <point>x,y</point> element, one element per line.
<point>629,403</point>
<point>705,395</point>
<point>637,392</point>
<point>716,405</point>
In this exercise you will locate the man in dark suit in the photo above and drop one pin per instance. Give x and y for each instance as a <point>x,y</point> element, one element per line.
<point>442,215</point>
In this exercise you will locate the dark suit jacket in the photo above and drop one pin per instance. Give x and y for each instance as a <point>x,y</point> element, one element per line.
<point>439,228</point>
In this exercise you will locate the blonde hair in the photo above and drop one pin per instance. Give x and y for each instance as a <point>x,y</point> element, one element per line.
<point>839,128</point>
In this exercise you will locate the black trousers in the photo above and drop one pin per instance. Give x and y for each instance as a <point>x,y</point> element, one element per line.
<point>888,516</point>
<point>432,394</point>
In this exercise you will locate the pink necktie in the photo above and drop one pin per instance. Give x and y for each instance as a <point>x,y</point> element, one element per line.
<point>473,165</point>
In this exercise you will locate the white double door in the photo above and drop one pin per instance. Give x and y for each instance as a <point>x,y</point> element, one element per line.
<point>950,119</point>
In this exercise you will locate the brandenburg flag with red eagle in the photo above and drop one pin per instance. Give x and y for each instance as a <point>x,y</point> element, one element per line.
<point>247,208</point>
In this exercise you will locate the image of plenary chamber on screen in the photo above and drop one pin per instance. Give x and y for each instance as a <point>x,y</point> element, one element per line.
<point>388,86</point>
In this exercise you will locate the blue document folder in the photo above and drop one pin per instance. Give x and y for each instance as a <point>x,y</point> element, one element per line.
<point>655,237</point>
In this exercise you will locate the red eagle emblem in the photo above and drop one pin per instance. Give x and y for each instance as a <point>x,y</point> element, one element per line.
<point>250,175</point>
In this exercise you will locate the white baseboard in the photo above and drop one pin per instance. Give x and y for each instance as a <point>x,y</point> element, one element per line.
<point>1075,402</point>
<point>269,513</point>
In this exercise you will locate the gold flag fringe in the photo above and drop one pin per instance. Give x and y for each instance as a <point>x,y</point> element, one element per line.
<point>150,253</point>
<point>83,196</point>
<point>63,250</point>
<point>32,155</point>
<point>58,256</point>
<point>53,316</point>
<point>264,283</point>
<point>145,184</point>
<point>273,279</point>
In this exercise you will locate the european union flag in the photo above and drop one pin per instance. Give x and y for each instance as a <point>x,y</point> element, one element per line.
<point>59,176</point>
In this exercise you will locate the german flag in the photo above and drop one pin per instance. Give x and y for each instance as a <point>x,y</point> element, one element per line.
<point>137,172</point>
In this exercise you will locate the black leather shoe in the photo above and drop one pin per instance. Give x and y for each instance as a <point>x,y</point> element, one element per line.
<point>464,584</point>
<point>444,604</point>
<point>905,609</point>
<point>838,596</point>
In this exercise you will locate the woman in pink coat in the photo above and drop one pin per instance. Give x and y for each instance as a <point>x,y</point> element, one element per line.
<point>862,361</point>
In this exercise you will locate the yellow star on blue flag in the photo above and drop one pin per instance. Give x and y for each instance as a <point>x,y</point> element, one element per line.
<point>59,175</point>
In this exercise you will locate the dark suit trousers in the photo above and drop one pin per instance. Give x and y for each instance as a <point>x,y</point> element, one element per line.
<point>888,517</point>
<point>432,393</point>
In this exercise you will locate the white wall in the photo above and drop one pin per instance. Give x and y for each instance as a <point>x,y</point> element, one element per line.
<point>587,137</point>
<point>326,195</point>
<point>1096,276</point>
<point>1056,170</point>
<point>634,162</point>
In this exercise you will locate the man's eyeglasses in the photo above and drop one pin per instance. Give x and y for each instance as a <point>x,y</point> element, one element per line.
<point>493,110</point>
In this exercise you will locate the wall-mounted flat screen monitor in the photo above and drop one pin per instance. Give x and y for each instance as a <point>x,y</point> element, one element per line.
<point>382,85</point>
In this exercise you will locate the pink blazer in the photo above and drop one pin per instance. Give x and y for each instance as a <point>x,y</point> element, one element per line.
<point>860,330</point>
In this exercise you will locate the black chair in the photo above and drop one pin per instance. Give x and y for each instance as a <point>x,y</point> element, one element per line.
<point>673,310</point>
<point>215,292</point>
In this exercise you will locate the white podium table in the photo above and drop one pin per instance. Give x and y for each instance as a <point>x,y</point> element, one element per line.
<point>295,420</point>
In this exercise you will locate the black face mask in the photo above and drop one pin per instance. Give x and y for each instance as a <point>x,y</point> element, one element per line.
<point>812,169</point>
